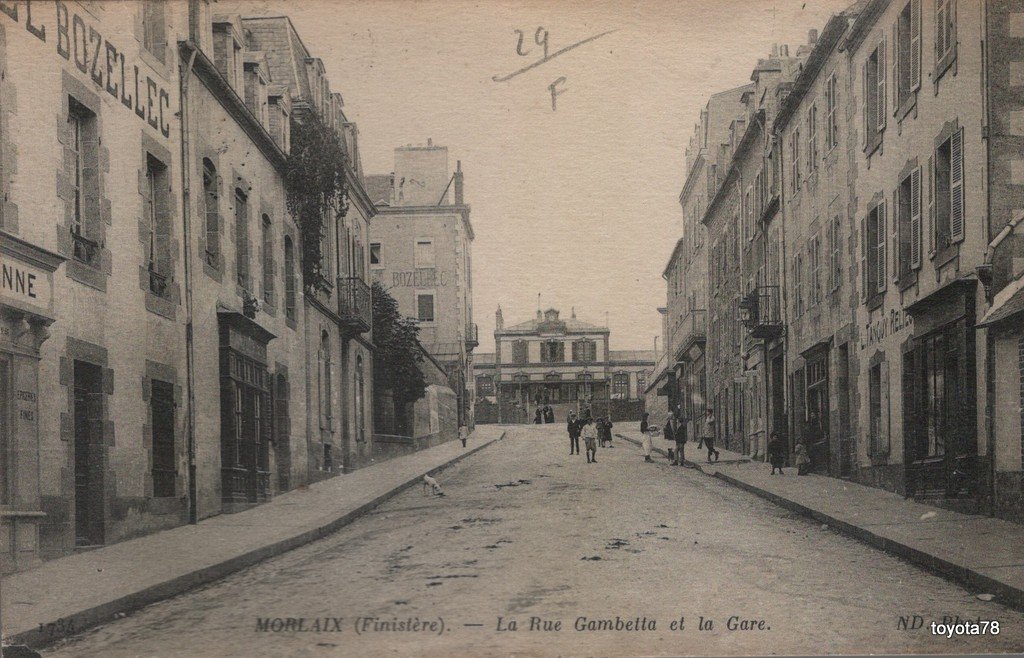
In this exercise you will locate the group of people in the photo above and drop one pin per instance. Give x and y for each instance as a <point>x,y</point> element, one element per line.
<point>593,431</point>
<point>675,430</point>
<point>777,456</point>
<point>544,414</point>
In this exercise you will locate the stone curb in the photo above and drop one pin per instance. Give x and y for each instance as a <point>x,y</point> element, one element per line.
<point>44,636</point>
<point>687,463</point>
<point>964,576</point>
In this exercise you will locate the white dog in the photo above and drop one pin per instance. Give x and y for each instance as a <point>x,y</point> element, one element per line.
<point>433,484</point>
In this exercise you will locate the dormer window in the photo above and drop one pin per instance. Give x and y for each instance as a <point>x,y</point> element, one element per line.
<point>227,51</point>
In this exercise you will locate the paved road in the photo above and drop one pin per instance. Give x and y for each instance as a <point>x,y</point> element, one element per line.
<point>526,531</point>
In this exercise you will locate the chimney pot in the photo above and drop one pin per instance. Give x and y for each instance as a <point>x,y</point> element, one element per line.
<point>430,142</point>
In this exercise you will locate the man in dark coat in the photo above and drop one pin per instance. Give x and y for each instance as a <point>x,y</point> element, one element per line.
<point>573,427</point>
<point>678,429</point>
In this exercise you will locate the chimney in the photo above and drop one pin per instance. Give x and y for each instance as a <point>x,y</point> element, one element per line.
<point>499,320</point>
<point>391,190</point>
<point>775,50</point>
<point>430,142</point>
<point>784,51</point>
<point>540,316</point>
<point>458,183</point>
<point>812,37</point>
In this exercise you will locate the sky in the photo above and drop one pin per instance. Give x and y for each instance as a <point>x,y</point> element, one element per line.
<point>578,204</point>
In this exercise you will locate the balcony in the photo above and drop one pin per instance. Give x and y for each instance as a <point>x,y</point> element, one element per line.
<point>692,331</point>
<point>761,311</point>
<point>355,304</point>
<point>472,336</point>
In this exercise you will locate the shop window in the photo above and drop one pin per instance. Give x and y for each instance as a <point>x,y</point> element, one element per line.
<point>161,404</point>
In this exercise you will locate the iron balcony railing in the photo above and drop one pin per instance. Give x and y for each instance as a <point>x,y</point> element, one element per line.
<point>472,335</point>
<point>355,303</point>
<point>692,330</point>
<point>761,312</point>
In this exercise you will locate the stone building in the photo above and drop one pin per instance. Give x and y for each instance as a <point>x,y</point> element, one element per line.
<point>685,334</point>
<point>337,304</point>
<point>564,364</point>
<point>421,251</point>
<point>816,147</point>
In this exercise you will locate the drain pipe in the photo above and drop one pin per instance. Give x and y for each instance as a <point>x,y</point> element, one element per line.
<point>186,212</point>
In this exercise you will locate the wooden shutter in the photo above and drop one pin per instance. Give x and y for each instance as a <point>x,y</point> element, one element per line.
<point>867,113</point>
<point>915,218</point>
<point>940,29</point>
<point>881,84</point>
<point>915,45</point>
<point>884,431</point>
<point>956,186</point>
<point>897,251</point>
<point>896,91</point>
<point>931,204</point>
<point>881,255</point>
<point>864,258</point>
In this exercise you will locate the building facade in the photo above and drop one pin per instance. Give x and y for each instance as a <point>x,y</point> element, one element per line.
<point>421,252</point>
<point>564,364</point>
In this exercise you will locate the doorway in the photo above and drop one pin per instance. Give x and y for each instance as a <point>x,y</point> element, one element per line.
<point>88,413</point>
<point>816,435</point>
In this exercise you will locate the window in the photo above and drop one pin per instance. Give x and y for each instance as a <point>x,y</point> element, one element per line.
<point>375,254</point>
<point>798,277</point>
<point>874,98</point>
<point>906,54</point>
<point>872,231</point>
<point>552,351</point>
<point>520,352</point>
<point>812,138</point>
<point>945,35</point>
<point>835,246</point>
<point>210,186</point>
<point>161,405</point>
<point>878,407</point>
<point>620,386</point>
<point>289,278</point>
<point>425,307</point>
<point>794,155</point>
<point>81,159</point>
<point>268,261</point>
<point>156,224</point>
<point>484,386</point>
<point>641,384</point>
<point>815,258</point>
<point>907,204</point>
<point>242,238</point>
<point>948,192</point>
<point>324,388</point>
<point>584,351</point>
<point>832,112</point>
<point>424,255</point>
<point>154,30</point>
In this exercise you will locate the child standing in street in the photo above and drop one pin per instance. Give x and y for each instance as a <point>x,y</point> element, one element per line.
<point>590,440</point>
<point>803,461</point>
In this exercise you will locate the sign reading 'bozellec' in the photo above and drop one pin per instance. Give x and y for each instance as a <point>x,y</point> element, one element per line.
<point>96,57</point>
<point>23,283</point>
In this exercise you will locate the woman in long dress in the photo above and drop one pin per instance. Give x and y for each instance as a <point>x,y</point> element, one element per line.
<point>646,441</point>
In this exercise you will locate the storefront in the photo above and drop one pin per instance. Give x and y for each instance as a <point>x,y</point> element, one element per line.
<point>939,397</point>
<point>26,310</point>
<point>246,412</point>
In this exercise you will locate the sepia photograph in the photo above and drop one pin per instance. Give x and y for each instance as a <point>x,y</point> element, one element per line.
<point>511,328</point>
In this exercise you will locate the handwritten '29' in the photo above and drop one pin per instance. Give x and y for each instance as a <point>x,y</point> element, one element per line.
<point>540,37</point>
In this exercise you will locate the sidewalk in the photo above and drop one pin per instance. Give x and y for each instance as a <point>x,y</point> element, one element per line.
<point>66,595</point>
<point>983,554</point>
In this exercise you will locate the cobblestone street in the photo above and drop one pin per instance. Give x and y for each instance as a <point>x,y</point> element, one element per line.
<point>526,531</point>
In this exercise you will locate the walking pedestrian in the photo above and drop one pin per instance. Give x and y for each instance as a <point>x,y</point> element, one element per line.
<point>777,453</point>
<point>549,414</point>
<point>679,436</point>
<point>708,439</point>
<point>463,434</point>
<point>590,440</point>
<point>803,461</point>
<point>573,427</point>
<point>646,432</point>
<point>538,419</point>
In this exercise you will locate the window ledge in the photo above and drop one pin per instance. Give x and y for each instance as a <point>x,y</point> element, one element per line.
<point>907,280</point>
<point>907,107</point>
<point>875,301</point>
<point>944,65</point>
<point>943,256</point>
